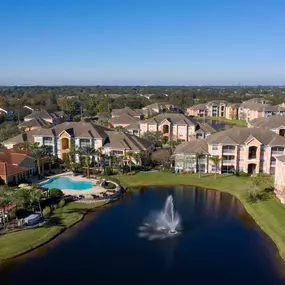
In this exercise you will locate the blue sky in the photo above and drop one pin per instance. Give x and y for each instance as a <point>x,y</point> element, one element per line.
<point>148,42</point>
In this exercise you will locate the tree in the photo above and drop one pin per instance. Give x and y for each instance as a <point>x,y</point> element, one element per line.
<point>162,157</point>
<point>129,155</point>
<point>119,129</point>
<point>199,155</point>
<point>258,188</point>
<point>35,196</point>
<point>76,118</point>
<point>38,152</point>
<point>216,161</point>
<point>172,144</point>
<point>155,137</point>
<point>87,152</point>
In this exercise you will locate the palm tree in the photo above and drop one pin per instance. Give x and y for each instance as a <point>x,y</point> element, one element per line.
<point>38,152</point>
<point>129,155</point>
<point>4,202</point>
<point>87,152</point>
<point>24,145</point>
<point>35,196</point>
<point>72,152</point>
<point>216,161</point>
<point>199,155</point>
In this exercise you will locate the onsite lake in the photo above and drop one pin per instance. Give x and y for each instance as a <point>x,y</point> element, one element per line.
<point>219,244</point>
<point>219,125</point>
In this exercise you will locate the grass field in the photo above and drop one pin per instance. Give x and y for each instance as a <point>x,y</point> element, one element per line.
<point>269,215</point>
<point>20,242</point>
<point>222,119</point>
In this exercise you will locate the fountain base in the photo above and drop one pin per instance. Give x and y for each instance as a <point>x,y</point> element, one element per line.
<point>172,232</point>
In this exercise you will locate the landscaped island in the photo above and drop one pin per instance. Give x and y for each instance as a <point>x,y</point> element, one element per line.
<point>268,214</point>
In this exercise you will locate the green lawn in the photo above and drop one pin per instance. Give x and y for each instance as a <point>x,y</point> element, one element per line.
<point>269,215</point>
<point>17,243</point>
<point>222,119</point>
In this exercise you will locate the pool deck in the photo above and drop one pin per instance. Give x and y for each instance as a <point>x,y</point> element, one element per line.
<point>96,189</point>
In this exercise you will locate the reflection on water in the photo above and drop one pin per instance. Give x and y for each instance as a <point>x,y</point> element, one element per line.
<point>219,244</point>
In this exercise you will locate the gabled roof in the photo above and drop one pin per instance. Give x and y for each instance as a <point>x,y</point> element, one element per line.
<point>193,146</point>
<point>174,118</point>
<point>126,110</point>
<point>206,128</point>
<point>273,122</point>
<point>36,122</point>
<point>202,107</point>
<point>238,135</point>
<point>121,140</point>
<point>228,140</point>
<point>123,119</point>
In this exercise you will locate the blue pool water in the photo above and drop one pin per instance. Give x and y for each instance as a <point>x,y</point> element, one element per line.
<point>67,183</point>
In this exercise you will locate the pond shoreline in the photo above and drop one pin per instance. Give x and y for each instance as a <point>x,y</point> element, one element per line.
<point>63,229</point>
<point>261,212</point>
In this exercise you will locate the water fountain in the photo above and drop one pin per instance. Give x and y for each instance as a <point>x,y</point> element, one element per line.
<point>161,224</point>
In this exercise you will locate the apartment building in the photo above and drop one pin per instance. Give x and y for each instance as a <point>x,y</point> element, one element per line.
<point>249,111</point>
<point>59,139</point>
<point>216,108</point>
<point>251,150</point>
<point>279,179</point>
<point>275,124</point>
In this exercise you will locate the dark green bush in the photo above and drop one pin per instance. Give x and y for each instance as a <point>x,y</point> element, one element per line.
<point>55,193</point>
<point>61,203</point>
<point>242,174</point>
<point>46,211</point>
<point>110,185</point>
<point>108,171</point>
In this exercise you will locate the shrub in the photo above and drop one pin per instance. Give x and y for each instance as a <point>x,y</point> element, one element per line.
<point>110,185</point>
<point>55,193</point>
<point>169,170</point>
<point>242,174</point>
<point>108,171</point>
<point>46,211</point>
<point>61,203</point>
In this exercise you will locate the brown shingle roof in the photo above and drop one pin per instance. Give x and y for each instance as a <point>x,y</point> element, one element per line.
<point>173,118</point>
<point>126,110</point>
<point>272,122</point>
<point>122,140</point>
<point>36,122</point>
<point>233,136</point>
<point>123,119</point>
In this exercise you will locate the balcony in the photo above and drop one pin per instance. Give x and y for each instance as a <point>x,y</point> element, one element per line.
<point>229,149</point>
<point>277,152</point>
<point>227,161</point>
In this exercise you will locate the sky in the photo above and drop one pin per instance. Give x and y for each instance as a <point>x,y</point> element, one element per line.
<point>142,42</point>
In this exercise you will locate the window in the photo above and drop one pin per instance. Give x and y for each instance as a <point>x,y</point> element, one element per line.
<point>241,158</point>
<point>84,142</point>
<point>215,147</point>
<point>47,141</point>
<point>241,168</point>
<point>262,158</point>
<point>261,170</point>
<point>213,167</point>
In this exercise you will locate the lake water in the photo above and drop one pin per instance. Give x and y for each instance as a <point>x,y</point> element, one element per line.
<point>218,125</point>
<point>219,244</point>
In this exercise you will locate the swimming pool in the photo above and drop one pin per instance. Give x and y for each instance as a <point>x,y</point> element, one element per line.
<point>67,183</point>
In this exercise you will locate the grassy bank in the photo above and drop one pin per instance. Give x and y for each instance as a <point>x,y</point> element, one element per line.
<point>20,242</point>
<point>222,119</point>
<point>269,215</point>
